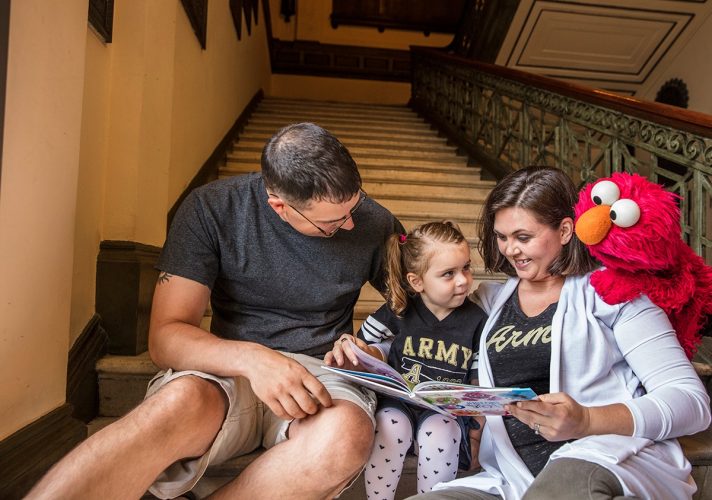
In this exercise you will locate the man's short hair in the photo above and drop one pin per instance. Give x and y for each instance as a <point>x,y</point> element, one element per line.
<point>303,162</point>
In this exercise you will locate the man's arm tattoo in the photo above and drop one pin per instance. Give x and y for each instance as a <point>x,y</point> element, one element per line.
<point>163,278</point>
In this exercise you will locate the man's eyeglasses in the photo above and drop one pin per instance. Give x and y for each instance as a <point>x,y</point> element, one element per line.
<point>337,224</point>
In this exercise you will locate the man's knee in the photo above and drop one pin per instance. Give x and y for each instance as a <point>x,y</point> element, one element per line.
<point>353,428</point>
<point>343,426</point>
<point>188,398</point>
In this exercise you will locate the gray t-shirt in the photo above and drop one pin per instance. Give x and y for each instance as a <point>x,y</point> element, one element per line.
<point>269,283</point>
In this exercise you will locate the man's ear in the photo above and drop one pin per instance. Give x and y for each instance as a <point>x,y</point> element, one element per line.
<point>566,229</point>
<point>277,204</point>
<point>415,282</point>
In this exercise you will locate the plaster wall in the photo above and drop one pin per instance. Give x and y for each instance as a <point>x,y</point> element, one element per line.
<point>92,175</point>
<point>40,161</point>
<point>691,65</point>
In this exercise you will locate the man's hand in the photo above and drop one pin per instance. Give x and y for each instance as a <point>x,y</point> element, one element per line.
<point>284,385</point>
<point>343,356</point>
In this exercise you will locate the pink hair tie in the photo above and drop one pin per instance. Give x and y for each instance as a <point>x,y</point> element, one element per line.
<point>402,238</point>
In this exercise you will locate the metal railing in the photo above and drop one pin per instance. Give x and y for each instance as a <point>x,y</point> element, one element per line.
<point>507,119</point>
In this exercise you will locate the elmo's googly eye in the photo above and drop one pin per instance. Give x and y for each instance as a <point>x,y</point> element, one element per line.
<point>625,213</point>
<point>605,193</point>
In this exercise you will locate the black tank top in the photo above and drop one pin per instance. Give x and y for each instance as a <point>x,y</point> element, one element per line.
<point>519,352</point>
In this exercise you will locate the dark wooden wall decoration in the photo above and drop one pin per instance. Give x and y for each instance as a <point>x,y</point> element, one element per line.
<point>197,12</point>
<point>254,4</point>
<point>341,61</point>
<point>674,92</point>
<point>236,12</point>
<point>248,8</point>
<point>428,16</point>
<point>287,9</point>
<point>482,29</point>
<point>101,17</point>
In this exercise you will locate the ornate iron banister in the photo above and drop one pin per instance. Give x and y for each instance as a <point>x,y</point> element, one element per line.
<point>507,119</point>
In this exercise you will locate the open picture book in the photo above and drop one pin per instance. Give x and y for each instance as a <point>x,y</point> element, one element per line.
<point>459,400</point>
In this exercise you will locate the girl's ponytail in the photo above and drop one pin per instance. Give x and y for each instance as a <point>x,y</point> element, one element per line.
<point>396,293</point>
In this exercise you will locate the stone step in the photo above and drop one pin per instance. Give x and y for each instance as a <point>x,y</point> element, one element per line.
<point>433,175</point>
<point>405,150</point>
<point>356,138</point>
<point>309,115</point>
<point>379,190</point>
<point>253,156</point>
<point>349,131</point>
<point>256,141</point>
<point>328,105</point>
<point>432,210</point>
<point>253,165</point>
<point>122,382</point>
<point>329,123</point>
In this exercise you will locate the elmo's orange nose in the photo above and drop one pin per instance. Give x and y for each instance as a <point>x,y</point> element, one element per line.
<point>594,224</point>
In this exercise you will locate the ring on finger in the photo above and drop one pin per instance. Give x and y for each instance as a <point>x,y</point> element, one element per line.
<point>536,429</point>
<point>344,339</point>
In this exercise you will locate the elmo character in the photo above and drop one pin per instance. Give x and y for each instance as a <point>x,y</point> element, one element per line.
<point>632,226</point>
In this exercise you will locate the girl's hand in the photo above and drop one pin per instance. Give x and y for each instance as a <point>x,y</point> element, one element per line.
<point>557,417</point>
<point>342,355</point>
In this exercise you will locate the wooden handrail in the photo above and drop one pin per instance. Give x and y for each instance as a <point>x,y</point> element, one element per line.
<point>672,116</point>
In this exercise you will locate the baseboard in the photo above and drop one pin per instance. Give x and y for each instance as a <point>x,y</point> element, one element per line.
<point>82,383</point>
<point>209,171</point>
<point>28,453</point>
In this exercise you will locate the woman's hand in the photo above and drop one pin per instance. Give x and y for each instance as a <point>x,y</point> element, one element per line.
<point>557,417</point>
<point>342,355</point>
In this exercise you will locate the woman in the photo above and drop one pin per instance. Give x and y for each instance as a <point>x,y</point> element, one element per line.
<point>615,386</point>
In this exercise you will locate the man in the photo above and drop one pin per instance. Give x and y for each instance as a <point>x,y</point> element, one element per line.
<point>282,257</point>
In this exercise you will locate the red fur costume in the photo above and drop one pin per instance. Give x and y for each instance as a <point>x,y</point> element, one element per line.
<point>635,233</point>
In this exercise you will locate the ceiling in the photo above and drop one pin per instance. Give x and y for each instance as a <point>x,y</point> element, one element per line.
<point>622,46</point>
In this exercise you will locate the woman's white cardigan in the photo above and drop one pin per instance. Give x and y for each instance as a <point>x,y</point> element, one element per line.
<point>603,354</point>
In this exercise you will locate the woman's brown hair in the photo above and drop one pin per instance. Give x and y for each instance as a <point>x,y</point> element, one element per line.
<point>411,253</point>
<point>550,195</point>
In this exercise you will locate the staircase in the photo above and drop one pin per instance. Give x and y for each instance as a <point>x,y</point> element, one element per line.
<point>407,168</point>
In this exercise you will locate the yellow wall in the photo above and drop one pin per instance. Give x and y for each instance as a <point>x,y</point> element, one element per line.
<point>312,23</point>
<point>40,160</point>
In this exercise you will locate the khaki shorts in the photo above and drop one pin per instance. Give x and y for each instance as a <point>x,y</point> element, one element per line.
<point>248,424</point>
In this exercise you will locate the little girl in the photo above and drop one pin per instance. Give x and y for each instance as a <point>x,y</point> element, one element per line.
<point>427,330</point>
